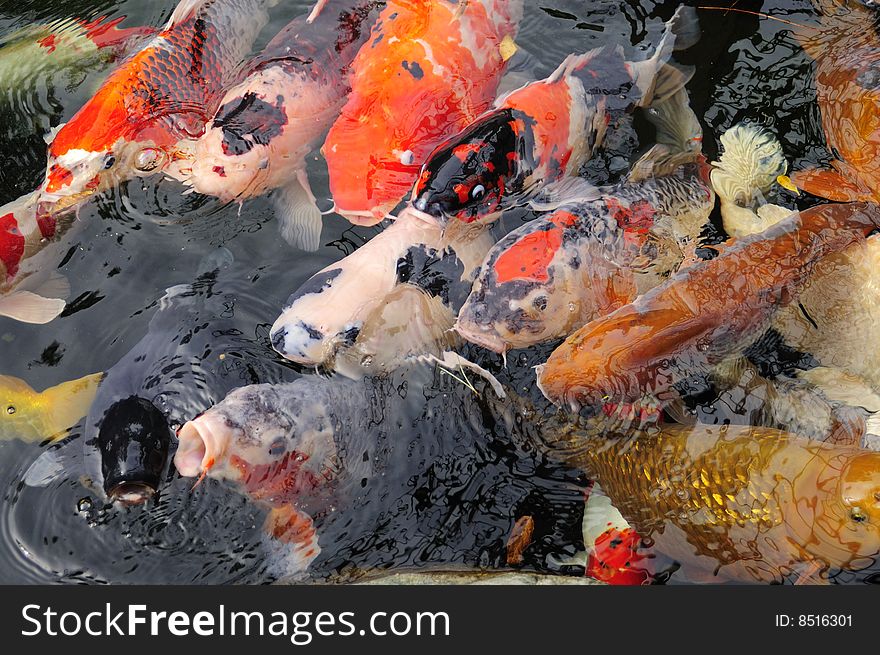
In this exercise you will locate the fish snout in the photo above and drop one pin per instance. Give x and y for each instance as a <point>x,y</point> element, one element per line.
<point>300,342</point>
<point>134,439</point>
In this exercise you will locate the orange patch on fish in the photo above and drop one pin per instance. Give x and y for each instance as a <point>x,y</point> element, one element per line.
<point>278,482</point>
<point>530,257</point>
<point>58,178</point>
<point>466,149</point>
<point>549,105</point>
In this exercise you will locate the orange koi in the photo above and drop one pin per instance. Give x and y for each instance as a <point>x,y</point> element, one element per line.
<point>701,315</point>
<point>429,68</point>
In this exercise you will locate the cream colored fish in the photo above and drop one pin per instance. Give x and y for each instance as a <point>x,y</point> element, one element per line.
<point>40,416</point>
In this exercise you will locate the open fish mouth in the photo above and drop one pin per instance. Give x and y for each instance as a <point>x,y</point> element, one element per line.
<point>131,493</point>
<point>484,337</point>
<point>202,443</point>
<point>63,204</point>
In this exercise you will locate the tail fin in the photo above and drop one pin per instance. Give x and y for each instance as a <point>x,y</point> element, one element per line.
<point>677,124</point>
<point>67,403</point>
<point>657,78</point>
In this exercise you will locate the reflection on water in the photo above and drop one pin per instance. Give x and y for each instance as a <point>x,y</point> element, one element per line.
<point>451,477</point>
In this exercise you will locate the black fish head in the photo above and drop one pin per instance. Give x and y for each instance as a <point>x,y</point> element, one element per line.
<point>134,439</point>
<point>478,173</point>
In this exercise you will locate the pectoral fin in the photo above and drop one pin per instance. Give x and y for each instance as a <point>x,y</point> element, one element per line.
<point>28,307</point>
<point>295,529</point>
<point>299,216</point>
<point>829,184</point>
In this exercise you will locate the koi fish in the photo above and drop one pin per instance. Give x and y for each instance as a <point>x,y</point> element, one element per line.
<point>846,52</point>
<point>739,503</point>
<point>47,415</point>
<point>29,292</point>
<point>543,132</point>
<point>37,51</point>
<point>702,314</point>
<point>285,447</point>
<point>429,69</point>
<point>162,95</point>
<point>558,272</point>
<point>589,257</point>
<point>267,124</point>
<point>839,307</point>
<point>194,352</point>
<point>394,297</point>
<point>615,554</point>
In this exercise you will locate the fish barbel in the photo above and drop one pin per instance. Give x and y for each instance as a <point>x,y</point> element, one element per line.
<point>266,125</point>
<point>429,68</point>
<point>742,503</point>
<point>161,95</point>
<point>701,315</point>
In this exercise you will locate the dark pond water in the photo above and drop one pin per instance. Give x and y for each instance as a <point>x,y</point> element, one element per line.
<point>455,482</point>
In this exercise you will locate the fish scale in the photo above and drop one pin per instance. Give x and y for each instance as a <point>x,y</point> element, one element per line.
<point>740,503</point>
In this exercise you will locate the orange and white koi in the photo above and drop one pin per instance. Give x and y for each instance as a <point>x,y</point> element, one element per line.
<point>429,69</point>
<point>543,132</point>
<point>163,94</point>
<point>267,124</point>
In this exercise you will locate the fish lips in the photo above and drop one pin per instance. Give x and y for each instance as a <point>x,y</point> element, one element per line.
<point>134,439</point>
<point>481,335</point>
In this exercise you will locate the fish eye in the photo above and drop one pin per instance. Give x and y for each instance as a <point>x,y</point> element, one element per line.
<point>857,515</point>
<point>478,192</point>
<point>10,410</point>
<point>278,446</point>
<point>109,161</point>
<point>540,303</point>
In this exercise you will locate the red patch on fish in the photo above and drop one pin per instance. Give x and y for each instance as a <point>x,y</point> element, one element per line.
<point>530,257</point>
<point>638,217</point>
<point>48,42</point>
<point>58,178</point>
<point>11,244</point>
<point>466,149</point>
<point>615,558</point>
<point>105,34</point>
<point>47,225</point>
<point>280,482</point>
